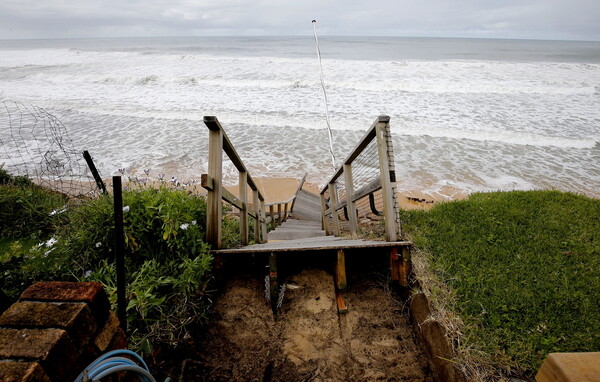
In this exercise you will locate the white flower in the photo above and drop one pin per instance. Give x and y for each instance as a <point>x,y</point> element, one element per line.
<point>48,252</point>
<point>98,244</point>
<point>87,274</point>
<point>184,226</point>
<point>51,242</point>
<point>194,222</point>
<point>58,211</point>
<point>125,209</point>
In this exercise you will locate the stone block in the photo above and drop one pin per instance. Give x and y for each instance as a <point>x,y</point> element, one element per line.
<point>91,293</point>
<point>570,367</point>
<point>106,333</point>
<point>434,336</point>
<point>76,318</point>
<point>51,347</point>
<point>14,371</point>
<point>119,340</point>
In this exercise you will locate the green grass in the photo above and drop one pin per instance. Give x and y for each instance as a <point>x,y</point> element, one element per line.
<point>525,269</point>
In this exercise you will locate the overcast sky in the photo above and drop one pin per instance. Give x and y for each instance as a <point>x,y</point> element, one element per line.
<point>534,19</point>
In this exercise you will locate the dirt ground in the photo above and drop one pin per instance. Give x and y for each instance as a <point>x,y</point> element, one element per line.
<point>308,340</point>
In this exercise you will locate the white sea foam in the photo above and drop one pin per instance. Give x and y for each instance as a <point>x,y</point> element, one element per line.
<point>496,123</point>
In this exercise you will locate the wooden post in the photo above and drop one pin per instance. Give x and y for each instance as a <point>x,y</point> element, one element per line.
<point>279,215</point>
<point>285,212</point>
<point>215,172</point>
<point>389,210</point>
<point>120,252</point>
<point>257,214</point>
<point>394,264</point>
<point>272,214</point>
<point>405,268</point>
<point>324,223</point>
<point>324,219</point>
<point>334,214</point>
<point>340,270</point>
<point>243,191</point>
<point>349,184</point>
<point>273,281</point>
<point>95,174</point>
<point>263,223</point>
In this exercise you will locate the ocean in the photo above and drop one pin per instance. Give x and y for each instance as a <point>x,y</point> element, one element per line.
<point>467,115</point>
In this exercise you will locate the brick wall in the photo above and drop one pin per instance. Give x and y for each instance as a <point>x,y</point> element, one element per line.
<point>55,330</point>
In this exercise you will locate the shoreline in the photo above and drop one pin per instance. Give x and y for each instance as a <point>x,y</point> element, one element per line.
<point>273,189</point>
<point>281,189</point>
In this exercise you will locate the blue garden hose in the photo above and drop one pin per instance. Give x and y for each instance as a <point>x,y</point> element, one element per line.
<point>110,363</point>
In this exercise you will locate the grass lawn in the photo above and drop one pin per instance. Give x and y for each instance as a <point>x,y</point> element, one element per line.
<point>524,268</point>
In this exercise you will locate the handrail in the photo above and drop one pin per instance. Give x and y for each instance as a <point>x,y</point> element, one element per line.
<point>380,132</point>
<point>218,142</point>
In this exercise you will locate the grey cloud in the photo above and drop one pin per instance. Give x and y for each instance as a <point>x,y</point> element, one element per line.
<point>552,19</point>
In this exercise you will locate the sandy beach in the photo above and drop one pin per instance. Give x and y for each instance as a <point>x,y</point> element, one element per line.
<point>281,189</point>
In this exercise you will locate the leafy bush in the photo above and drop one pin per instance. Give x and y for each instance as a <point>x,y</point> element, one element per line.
<point>524,266</point>
<point>167,260</point>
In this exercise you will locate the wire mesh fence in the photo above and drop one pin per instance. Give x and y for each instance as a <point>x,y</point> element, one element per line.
<point>35,143</point>
<point>365,186</point>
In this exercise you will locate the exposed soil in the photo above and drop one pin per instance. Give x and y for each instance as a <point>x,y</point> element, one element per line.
<point>308,340</point>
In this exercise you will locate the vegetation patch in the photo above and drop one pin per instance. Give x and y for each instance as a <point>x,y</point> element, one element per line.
<point>521,272</point>
<point>46,236</point>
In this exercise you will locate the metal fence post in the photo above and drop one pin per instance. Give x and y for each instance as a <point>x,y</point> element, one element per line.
<point>120,252</point>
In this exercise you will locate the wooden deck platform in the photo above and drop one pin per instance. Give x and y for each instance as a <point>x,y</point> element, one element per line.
<point>312,244</point>
<point>304,233</point>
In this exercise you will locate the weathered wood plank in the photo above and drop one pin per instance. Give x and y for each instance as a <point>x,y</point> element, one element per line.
<point>215,172</point>
<point>313,244</point>
<point>207,182</point>
<point>405,268</point>
<point>285,212</point>
<point>373,186</point>
<point>273,281</point>
<point>272,215</point>
<point>340,270</point>
<point>243,192</point>
<point>341,302</point>
<point>231,198</point>
<point>298,191</point>
<point>340,205</point>
<point>394,264</point>
<point>291,199</point>
<point>324,224</point>
<point>280,217</point>
<point>263,224</point>
<point>307,206</point>
<point>349,184</point>
<point>389,211</point>
<point>255,215</point>
<point>334,214</point>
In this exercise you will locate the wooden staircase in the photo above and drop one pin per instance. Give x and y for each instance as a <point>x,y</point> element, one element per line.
<point>305,222</point>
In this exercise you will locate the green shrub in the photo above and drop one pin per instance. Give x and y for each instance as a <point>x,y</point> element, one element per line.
<point>524,266</point>
<point>167,260</point>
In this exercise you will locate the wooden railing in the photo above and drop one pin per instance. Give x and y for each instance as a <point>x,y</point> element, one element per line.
<point>218,142</point>
<point>377,176</point>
